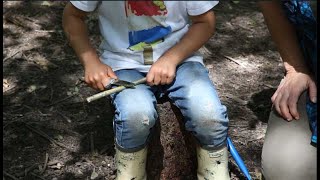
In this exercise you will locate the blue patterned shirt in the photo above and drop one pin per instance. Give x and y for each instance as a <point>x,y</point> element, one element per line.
<point>301,16</point>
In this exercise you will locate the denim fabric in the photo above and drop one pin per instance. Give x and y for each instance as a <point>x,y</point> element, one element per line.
<point>191,91</point>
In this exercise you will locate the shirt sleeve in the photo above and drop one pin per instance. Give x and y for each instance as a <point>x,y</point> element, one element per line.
<point>195,8</point>
<point>87,6</point>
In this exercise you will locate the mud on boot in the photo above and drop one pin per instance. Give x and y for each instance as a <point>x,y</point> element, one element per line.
<point>131,165</point>
<point>212,164</point>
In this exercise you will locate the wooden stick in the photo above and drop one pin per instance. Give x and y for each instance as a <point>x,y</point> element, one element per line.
<point>61,100</point>
<point>41,133</point>
<point>27,170</point>
<point>34,174</point>
<point>111,91</point>
<point>45,164</point>
<point>9,175</point>
<point>13,54</point>
<point>64,117</point>
<point>233,60</point>
<point>91,143</point>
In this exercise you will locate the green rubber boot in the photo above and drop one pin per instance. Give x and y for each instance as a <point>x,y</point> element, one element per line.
<point>131,165</point>
<point>212,164</point>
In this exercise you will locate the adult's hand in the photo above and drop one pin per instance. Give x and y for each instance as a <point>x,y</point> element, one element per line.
<point>291,87</point>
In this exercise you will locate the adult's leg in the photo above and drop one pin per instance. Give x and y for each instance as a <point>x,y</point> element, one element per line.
<point>287,153</point>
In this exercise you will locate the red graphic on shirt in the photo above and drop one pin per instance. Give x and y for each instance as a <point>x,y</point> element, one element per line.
<point>146,8</point>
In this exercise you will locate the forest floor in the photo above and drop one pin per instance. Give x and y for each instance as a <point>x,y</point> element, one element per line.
<point>50,132</point>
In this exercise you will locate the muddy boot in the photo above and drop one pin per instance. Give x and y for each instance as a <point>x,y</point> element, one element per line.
<point>212,164</point>
<point>131,165</point>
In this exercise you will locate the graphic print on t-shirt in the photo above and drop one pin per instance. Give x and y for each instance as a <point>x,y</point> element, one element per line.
<point>146,21</point>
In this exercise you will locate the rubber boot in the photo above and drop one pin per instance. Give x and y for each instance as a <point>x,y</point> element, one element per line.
<point>212,164</point>
<point>131,165</point>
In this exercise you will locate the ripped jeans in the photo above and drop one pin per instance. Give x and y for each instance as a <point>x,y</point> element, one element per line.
<point>191,91</point>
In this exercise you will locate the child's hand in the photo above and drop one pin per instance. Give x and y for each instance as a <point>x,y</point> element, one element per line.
<point>161,72</point>
<point>97,75</point>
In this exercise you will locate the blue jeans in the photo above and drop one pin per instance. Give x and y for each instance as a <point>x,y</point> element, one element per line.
<point>191,91</point>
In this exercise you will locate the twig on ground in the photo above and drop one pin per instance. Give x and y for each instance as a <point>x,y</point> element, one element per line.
<point>91,143</point>
<point>26,171</point>
<point>9,175</point>
<point>61,100</point>
<point>28,107</point>
<point>53,162</point>
<point>34,174</point>
<point>65,117</point>
<point>45,164</point>
<point>79,81</point>
<point>39,30</point>
<point>25,57</point>
<point>238,126</point>
<point>15,115</point>
<point>13,54</point>
<point>41,114</point>
<point>270,86</point>
<point>41,133</point>
<point>84,106</point>
<point>256,139</point>
<point>51,94</point>
<point>106,148</point>
<point>11,122</point>
<point>233,60</point>
<point>242,102</point>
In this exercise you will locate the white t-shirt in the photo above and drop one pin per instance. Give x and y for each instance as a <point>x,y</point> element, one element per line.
<point>126,26</point>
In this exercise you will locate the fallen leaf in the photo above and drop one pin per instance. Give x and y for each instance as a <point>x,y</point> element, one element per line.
<point>76,89</point>
<point>94,175</point>
<point>57,51</point>
<point>46,3</point>
<point>69,93</point>
<point>59,165</point>
<point>31,88</point>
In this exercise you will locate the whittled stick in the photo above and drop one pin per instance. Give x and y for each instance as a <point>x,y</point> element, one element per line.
<point>113,90</point>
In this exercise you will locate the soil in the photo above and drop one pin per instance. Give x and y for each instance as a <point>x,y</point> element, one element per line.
<point>50,132</point>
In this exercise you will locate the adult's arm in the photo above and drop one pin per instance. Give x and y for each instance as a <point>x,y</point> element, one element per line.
<point>297,78</point>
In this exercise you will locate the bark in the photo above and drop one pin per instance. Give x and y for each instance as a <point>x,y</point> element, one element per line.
<point>172,152</point>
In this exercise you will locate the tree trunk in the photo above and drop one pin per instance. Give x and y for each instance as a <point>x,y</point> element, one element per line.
<point>172,152</point>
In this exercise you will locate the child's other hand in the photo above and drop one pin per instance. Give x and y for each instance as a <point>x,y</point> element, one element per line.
<point>97,75</point>
<point>161,72</point>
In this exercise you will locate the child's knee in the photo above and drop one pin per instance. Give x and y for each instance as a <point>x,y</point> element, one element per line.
<point>211,127</point>
<point>133,127</point>
<point>140,119</point>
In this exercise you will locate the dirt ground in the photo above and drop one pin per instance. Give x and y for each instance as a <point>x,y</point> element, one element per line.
<point>50,132</point>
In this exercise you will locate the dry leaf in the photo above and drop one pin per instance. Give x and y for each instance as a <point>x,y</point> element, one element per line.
<point>94,175</point>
